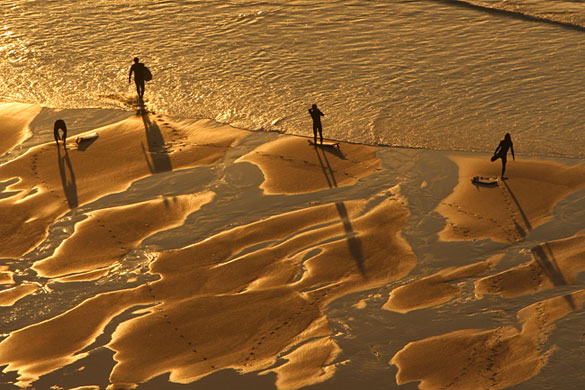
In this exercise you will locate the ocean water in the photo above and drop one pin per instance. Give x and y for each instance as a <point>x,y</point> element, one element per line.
<point>444,74</point>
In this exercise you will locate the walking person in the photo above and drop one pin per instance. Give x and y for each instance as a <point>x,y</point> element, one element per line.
<point>502,152</point>
<point>139,71</point>
<point>60,125</point>
<point>316,114</point>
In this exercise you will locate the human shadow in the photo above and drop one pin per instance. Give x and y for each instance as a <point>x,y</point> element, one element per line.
<point>156,156</point>
<point>515,200</point>
<point>353,242</point>
<point>326,167</point>
<point>545,258</point>
<point>67,178</point>
<point>332,150</point>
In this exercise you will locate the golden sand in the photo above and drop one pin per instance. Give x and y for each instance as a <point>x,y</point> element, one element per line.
<point>49,345</point>
<point>435,289</point>
<point>6,276</point>
<point>553,264</point>
<point>10,296</point>
<point>253,298</point>
<point>290,165</point>
<point>52,181</point>
<point>261,302</point>
<point>311,360</point>
<point>101,239</point>
<point>480,359</point>
<point>508,211</point>
<point>502,357</point>
<point>14,121</point>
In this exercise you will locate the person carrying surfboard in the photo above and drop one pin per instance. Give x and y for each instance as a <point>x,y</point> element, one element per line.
<point>316,114</point>
<point>139,71</point>
<point>502,152</point>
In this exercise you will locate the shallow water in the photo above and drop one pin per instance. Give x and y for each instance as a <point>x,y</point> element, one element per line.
<point>425,74</point>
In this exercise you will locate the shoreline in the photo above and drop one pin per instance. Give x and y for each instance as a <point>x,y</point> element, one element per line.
<point>112,114</point>
<point>179,221</point>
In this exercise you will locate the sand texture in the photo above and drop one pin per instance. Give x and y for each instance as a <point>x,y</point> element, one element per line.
<point>15,119</point>
<point>435,289</point>
<point>291,165</point>
<point>171,252</point>
<point>496,358</point>
<point>48,181</point>
<point>110,233</point>
<point>553,264</point>
<point>508,211</point>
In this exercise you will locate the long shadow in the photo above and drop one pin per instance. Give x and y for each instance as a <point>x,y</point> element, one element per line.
<point>353,242</point>
<point>524,217</point>
<point>67,178</point>
<point>332,150</point>
<point>327,171</point>
<point>156,156</point>
<point>544,256</point>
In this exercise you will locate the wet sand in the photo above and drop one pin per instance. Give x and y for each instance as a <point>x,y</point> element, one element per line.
<point>178,251</point>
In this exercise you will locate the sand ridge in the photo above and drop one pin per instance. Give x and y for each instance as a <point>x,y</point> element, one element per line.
<point>495,358</point>
<point>48,181</point>
<point>262,299</point>
<point>437,288</point>
<point>290,165</point>
<point>14,121</point>
<point>33,350</point>
<point>6,276</point>
<point>109,233</point>
<point>504,356</point>
<point>256,298</point>
<point>280,303</point>
<point>508,211</point>
<point>554,264</point>
<point>10,296</point>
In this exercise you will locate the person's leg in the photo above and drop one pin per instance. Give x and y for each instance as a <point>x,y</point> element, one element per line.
<point>321,133</point>
<point>503,166</point>
<point>138,89</point>
<point>56,134</point>
<point>141,89</point>
<point>315,133</point>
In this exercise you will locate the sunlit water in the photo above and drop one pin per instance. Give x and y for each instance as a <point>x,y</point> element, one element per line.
<point>429,74</point>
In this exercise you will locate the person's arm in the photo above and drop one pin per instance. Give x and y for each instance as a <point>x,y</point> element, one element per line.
<point>512,149</point>
<point>320,113</point>
<point>498,149</point>
<point>130,74</point>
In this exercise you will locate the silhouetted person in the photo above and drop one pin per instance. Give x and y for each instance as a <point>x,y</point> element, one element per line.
<point>60,125</point>
<point>139,76</point>
<point>502,152</point>
<point>316,115</point>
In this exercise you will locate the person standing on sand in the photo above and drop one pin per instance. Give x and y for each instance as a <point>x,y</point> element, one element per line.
<point>139,76</point>
<point>316,114</point>
<point>60,125</point>
<point>502,152</point>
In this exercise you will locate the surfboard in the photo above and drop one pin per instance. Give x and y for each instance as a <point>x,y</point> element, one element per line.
<point>486,181</point>
<point>324,144</point>
<point>87,137</point>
